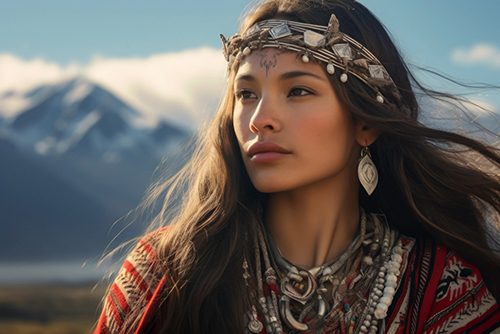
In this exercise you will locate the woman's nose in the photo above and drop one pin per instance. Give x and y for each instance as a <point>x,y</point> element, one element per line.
<point>265,116</point>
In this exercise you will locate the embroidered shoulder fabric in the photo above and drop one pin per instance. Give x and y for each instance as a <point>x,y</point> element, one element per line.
<point>462,301</point>
<point>439,292</point>
<point>442,293</point>
<point>133,287</point>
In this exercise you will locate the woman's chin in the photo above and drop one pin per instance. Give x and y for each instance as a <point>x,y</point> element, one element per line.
<point>272,186</point>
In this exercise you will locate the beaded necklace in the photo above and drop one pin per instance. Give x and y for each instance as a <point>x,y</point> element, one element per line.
<point>350,294</point>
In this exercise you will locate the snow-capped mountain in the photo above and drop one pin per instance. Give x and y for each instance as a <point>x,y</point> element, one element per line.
<point>80,117</point>
<point>74,159</point>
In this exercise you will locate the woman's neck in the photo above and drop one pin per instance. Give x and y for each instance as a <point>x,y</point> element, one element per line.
<point>314,224</point>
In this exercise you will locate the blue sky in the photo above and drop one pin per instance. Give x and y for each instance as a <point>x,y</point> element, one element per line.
<point>67,30</point>
<point>75,31</point>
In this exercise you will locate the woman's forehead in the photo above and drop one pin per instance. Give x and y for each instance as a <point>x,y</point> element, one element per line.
<point>271,62</point>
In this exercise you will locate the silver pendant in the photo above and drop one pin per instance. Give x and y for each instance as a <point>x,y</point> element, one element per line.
<point>287,315</point>
<point>343,50</point>
<point>255,326</point>
<point>378,72</point>
<point>300,295</point>
<point>313,39</point>
<point>280,31</point>
<point>367,172</point>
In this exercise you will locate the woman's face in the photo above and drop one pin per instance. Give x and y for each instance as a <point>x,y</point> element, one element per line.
<point>290,125</point>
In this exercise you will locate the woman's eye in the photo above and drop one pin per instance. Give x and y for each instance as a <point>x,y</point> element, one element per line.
<point>245,95</point>
<point>299,92</point>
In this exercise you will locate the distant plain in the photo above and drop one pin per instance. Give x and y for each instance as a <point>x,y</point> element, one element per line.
<point>49,308</point>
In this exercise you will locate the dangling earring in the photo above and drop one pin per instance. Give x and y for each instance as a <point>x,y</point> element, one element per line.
<point>367,171</point>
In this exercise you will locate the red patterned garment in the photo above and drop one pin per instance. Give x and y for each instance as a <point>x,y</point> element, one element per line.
<point>138,284</point>
<point>439,292</point>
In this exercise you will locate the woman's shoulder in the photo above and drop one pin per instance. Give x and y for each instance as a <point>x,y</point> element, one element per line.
<point>448,292</point>
<point>136,285</point>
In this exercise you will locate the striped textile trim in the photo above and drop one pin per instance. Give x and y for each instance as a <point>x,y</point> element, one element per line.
<point>132,288</point>
<point>426,255</point>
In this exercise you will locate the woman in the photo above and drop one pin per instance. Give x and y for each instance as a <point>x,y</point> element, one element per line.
<point>317,202</point>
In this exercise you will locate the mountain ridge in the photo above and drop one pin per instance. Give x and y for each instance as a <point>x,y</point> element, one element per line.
<point>75,161</point>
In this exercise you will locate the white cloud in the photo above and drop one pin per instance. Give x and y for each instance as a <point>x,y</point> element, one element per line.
<point>18,74</point>
<point>182,86</point>
<point>189,81</point>
<point>485,54</point>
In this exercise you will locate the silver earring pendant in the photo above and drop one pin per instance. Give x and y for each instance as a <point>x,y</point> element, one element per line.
<point>367,171</point>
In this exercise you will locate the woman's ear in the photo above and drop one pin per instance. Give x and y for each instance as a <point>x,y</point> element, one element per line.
<point>365,135</point>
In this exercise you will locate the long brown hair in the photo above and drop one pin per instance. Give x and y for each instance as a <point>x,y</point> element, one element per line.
<point>432,183</point>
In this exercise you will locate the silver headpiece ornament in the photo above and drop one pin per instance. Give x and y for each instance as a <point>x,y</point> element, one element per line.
<point>326,44</point>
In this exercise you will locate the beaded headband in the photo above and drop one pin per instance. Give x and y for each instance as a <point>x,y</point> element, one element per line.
<point>327,44</point>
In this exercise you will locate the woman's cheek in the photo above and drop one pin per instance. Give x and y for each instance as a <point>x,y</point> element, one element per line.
<point>239,125</point>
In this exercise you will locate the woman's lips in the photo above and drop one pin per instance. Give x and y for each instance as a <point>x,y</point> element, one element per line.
<point>266,152</point>
<point>267,157</point>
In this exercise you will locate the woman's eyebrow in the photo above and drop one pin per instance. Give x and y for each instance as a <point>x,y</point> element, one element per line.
<point>284,76</point>
<point>295,74</point>
<point>245,77</point>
